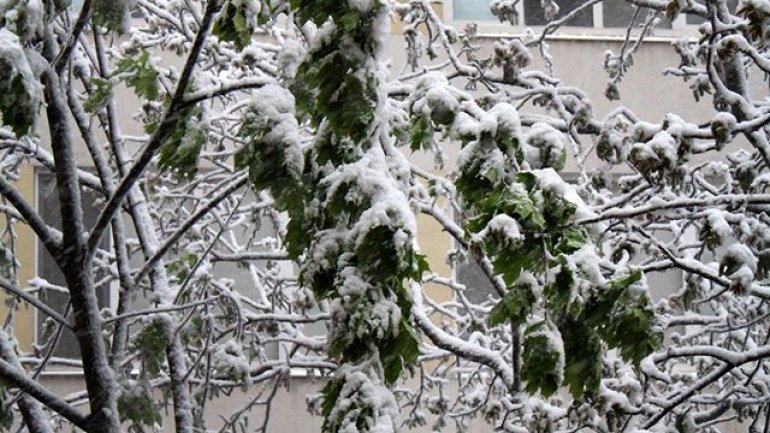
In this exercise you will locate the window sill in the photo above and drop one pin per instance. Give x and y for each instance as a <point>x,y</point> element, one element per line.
<point>70,373</point>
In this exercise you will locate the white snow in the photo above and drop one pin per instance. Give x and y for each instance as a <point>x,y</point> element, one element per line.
<point>544,146</point>
<point>505,226</point>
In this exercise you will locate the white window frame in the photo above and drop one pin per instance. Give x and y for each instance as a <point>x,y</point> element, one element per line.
<point>679,27</point>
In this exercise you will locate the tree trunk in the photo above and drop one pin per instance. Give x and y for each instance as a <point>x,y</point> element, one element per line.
<point>36,420</point>
<point>74,264</point>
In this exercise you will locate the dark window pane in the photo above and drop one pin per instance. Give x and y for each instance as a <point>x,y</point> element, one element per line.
<point>732,5</point>
<point>618,13</point>
<point>535,16</point>
<point>48,205</point>
<point>472,10</point>
<point>477,286</point>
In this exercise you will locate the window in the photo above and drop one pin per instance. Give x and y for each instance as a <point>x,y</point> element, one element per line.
<point>732,5</point>
<point>613,14</point>
<point>478,288</point>
<point>48,206</point>
<point>472,10</point>
<point>534,14</point>
<point>618,13</point>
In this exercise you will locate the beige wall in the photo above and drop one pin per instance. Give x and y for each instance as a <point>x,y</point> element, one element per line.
<point>24,316</point>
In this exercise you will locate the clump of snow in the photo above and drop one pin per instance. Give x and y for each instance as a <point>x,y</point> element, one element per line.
<point>362,6</point>
<point>545,146</point>
<point>251,11</point>
<point>435,98</point>
<point>505,10</point>
<point>25,18</point>
<point>485,157</point>
<point>228,358</point>
<point>272,111</point>
<point>505,227</point>
<point>650,368</point>
<point>739,264</point>
<point>611,146</point>
<point>758,5</point>
<point>500,121</point>
<point>722,125</point>
<point>14,64</point>
<point>586,262</point>
<point>550,181</point>
<point>370,178</point>
<point>718,224</point>
<point>290,56</point>
<point>465,125</point>
<point>555,344</point>
<point>364,401</point>
<point>643,131</point>
<point>507,117</point>
<point>539,416</point>
<point>361,311</point>
<point>660,153</point>
<point>528,281</point>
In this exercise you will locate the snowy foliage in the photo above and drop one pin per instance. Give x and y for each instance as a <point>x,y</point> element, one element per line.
<point>264,189</point>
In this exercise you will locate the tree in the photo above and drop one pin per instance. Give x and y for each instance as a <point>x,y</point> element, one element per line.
<point>284,114</point>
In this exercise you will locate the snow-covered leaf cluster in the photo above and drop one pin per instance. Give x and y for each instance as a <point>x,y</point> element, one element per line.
<point>242,176</point>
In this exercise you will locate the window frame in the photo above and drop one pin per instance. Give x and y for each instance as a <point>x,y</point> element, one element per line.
<point>112,301</point>
<point>679,27</point>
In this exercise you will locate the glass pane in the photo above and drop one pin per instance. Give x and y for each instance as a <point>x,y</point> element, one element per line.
<point>732,5</point>
<point>534,15</point>
<point>618,13</point>
<point>48,206</point>
<point>478,288</point>
<point>472,10</point>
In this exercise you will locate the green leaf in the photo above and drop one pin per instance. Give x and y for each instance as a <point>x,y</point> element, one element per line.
<point>111,14</point>
<point>232,25</point>
<point>633,328</point>
<point>102,90</point>
<point>137,406</point>
<point>533,219</point>
<point>345,91</point>
<point>527,178</point>
<point>420,133</point>
<point>151,344</point>
<point>181,268</point>
<point>515,306</point>
<point>18,104</point>
<point>330,393</point>
<point>421,267</point>
<point>582,353</point>
<point>542,366</point>
<point>511,262</point>
<point>350,20</point>
<point>572,239</point>
<point>625,282</point>
<point>139,74</point>
<point>558,294</point>
<point>180,152</point>
<point>377,254</point>
<point>499,313</point>
<point>399,351</point>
